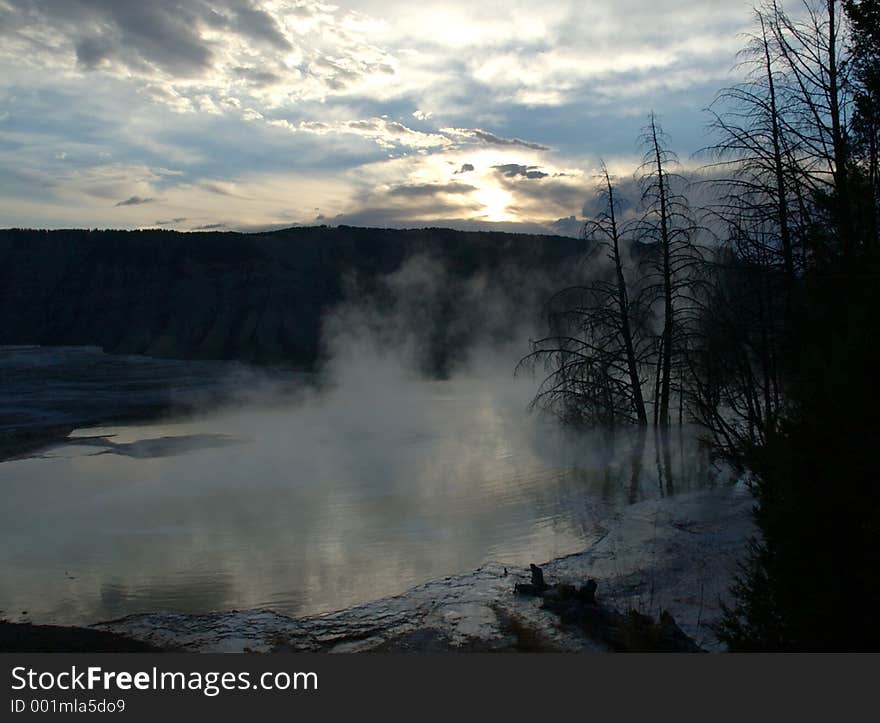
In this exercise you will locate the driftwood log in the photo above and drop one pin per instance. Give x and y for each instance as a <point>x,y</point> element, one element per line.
<point>622,632</point>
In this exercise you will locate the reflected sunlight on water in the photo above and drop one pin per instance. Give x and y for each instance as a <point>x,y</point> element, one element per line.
<point>326,502</point>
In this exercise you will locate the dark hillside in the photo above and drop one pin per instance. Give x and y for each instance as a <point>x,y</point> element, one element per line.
<point>253,297</point>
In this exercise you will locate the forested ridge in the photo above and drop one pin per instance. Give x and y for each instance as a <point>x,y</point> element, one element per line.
<point>259,297</point>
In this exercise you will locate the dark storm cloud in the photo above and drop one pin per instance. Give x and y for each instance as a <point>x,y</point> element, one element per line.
<point>135,201</point>
<point>511,170</point>
<point>466,168</point>
<point>162,34</point>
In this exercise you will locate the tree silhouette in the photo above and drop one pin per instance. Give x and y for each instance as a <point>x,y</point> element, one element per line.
<point>631,322</point>
<point>598,343</point>
<point>671,269</point>
<point>784,377</point>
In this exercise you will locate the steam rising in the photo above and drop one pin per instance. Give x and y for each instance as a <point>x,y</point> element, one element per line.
<point>377,478</point>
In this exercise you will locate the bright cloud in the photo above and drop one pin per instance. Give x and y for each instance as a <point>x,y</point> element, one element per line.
<point>261,113</point>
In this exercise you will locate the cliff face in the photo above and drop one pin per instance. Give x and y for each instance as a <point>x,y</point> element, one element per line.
<point>254,297</point>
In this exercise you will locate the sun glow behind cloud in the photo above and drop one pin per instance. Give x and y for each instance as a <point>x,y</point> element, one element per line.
<point>495,202</point>
<point>363,112</point>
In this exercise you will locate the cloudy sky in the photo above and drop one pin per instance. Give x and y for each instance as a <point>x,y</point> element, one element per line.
<point>252,114</point>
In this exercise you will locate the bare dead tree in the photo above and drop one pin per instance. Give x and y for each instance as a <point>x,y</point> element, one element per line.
<point>783,153</point>
<point>764,213</point>
<point>736,394</point>
<point>818,101</point>
<point>864,48</point>
<point>606,230</point>
<point>672,267</point>
<point>760,190</point>
<point>597,347</point>
<point>788,346</point>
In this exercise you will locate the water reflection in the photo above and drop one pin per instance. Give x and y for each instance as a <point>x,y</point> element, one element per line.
<point>314,506</point>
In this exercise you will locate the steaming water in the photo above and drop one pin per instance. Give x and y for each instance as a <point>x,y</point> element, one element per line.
<point>310,502</point>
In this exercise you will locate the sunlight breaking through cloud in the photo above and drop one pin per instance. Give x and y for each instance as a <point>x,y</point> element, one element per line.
<point>151,104</point>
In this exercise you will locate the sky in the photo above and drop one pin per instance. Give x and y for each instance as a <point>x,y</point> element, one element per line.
<point>260,114</point>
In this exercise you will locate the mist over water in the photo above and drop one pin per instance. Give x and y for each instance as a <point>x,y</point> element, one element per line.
<point>306,495</point>
<point>312,503</point>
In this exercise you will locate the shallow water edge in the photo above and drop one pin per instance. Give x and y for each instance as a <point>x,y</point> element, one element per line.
<point>675,554</point>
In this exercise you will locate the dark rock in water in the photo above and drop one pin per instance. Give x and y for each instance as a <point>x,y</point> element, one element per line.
<point>622,632</point>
